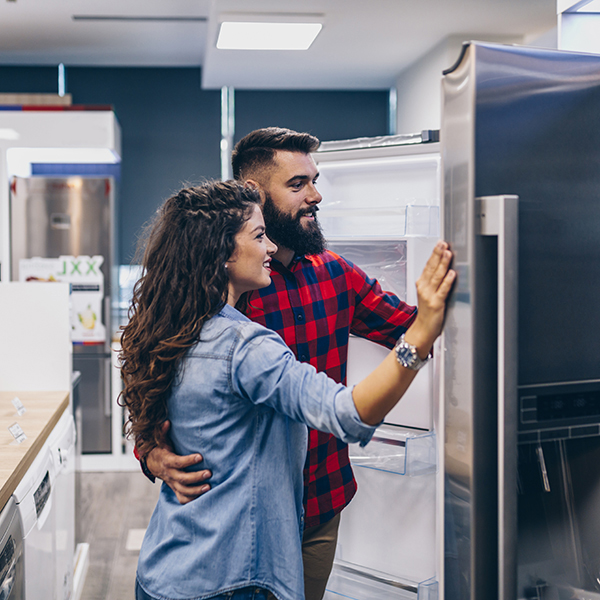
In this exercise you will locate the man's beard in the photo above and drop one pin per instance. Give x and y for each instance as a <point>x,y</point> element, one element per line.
<point>286,230</point>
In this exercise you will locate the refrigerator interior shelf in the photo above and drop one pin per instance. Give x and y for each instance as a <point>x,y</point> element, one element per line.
<point>360,583</point>
<point>397,450</point>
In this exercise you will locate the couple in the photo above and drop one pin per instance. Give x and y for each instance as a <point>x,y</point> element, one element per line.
<point>238,395</point>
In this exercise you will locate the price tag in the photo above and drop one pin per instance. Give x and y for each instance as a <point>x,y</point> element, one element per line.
<point>16,402</point>
<point>17,433</point>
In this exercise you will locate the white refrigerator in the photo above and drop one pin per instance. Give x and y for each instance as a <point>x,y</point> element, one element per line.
<point>380,210</point>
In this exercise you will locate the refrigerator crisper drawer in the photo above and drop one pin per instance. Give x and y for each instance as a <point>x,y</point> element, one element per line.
<point>397,450</point>
<point>396,263</point>
<point>348,581</point>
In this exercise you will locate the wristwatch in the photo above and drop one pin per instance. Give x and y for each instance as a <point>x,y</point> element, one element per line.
<point>407,356</point>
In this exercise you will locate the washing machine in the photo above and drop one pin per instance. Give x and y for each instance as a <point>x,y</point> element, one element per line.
<point>61,443</point>
<point>11,553</point>
<point>34,500</point>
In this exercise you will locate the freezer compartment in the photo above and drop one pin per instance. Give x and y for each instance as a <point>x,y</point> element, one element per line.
<point>397,450</point>
<point>349,581</point>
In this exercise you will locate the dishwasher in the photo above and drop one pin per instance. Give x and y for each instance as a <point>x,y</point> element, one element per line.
<point>61,443</point>
<point>12,581</point>
<point>34,499</point>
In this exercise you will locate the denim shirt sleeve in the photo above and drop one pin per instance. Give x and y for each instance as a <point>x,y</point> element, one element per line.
<point>265,371</point>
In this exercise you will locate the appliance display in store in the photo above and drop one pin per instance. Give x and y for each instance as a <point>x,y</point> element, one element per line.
<point>62,229</point>
<point>521,437</point>
<point>380,210</point>
<point>12,581</point>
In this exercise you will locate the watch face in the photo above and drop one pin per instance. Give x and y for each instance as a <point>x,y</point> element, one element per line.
<point>406,355</point>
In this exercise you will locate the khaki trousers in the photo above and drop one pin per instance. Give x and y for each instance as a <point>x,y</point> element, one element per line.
<point>318,551</point>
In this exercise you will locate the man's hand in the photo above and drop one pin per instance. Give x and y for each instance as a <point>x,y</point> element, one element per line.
<point>169,467</point>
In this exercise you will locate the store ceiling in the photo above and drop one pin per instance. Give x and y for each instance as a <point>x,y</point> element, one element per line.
<point>364,44</point>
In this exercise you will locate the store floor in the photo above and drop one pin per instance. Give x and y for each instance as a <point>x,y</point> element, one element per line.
<point>114,510</point>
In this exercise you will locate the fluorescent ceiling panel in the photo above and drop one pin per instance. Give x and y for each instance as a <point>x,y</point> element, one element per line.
<point>267,36</point>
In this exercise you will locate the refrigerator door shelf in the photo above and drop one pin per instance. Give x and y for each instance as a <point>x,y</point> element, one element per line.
<point>359,583</point>
<point>396,450</point>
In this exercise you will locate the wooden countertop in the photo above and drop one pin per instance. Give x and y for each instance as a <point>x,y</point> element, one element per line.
<point>43,410</point>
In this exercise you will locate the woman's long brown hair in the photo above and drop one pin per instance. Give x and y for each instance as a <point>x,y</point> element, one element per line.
<point>184,283</point>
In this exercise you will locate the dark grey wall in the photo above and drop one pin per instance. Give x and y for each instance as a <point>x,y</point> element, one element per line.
<point>330,115</point>
<point>28,80</point>
<point>171,128</point>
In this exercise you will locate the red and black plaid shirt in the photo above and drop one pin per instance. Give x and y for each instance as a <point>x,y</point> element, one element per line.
<point>314,306</point>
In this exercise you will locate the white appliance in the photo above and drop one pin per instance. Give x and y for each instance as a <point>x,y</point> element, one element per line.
<point>12,581</point>
<point>380,210</point>
<point>34,500</point>
<point>61,444</point>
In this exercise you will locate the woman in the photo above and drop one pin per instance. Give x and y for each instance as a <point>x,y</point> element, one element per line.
<point>234,392</point>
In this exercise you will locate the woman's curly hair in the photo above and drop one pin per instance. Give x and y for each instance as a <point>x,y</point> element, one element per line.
<point>184,282</point>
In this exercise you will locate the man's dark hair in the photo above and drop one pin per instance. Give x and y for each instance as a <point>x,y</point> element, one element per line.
<point>257,150</point>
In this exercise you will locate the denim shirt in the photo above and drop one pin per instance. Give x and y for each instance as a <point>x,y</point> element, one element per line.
<point>243,401</point>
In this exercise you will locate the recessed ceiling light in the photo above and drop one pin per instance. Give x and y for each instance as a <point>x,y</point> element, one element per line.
<point>268,32</point>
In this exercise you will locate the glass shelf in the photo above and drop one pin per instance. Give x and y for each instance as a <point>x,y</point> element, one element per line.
<point>359,583</point>
<point>396,221</point>
<point>397,450</point>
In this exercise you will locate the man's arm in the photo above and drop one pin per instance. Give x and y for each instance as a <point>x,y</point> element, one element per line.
<point>164,464</point>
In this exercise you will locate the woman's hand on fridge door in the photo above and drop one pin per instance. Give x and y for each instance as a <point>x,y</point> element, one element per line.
<point>433,287</point>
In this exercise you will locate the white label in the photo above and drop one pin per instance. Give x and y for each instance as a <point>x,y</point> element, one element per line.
<point>87,290</point>
<point>17,433</point>
<point>16,402</point>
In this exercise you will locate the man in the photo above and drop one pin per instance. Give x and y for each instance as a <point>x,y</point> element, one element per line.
<point>315,300</point>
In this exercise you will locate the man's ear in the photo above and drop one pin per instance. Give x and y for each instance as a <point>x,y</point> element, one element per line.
<point>252,183</point>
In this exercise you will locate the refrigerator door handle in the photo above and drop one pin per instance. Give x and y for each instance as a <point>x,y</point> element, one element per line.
<point>498,216</point>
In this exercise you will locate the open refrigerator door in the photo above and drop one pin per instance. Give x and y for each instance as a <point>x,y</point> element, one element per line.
<point>380,211</point>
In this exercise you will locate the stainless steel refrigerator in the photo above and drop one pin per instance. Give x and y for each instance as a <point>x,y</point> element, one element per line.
<point>63,229</point>
<point>520,143</point>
